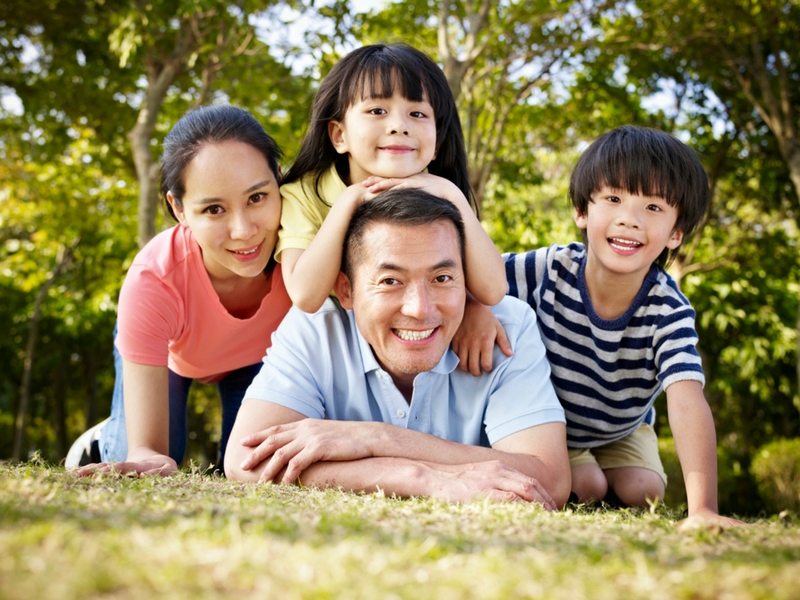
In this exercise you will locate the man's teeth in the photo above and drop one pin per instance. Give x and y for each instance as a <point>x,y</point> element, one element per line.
<point>413,336</point>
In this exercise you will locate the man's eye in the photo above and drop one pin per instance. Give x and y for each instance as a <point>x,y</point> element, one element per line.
<point>443,278</point>
<point>389,281</point>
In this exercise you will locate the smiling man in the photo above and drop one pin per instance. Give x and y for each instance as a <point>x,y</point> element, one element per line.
<point>365,394</point>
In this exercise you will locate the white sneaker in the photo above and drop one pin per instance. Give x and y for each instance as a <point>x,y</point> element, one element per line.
<point>86,449</point>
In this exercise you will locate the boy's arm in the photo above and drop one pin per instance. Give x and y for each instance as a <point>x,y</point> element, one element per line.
<point>310,274</point>
<point>696,442</point>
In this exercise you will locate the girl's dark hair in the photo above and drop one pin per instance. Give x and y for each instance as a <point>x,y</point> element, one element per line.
<point>374,71</point>
<point>210,125</point>
<point>645,161</point>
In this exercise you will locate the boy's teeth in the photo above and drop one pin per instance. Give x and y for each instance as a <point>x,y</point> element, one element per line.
<point>625,243</point>
<point>413,336</point>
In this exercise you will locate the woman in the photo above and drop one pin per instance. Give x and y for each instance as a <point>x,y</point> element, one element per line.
<point>200,300</point>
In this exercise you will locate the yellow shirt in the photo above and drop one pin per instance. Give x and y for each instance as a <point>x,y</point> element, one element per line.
<point>303,212</point>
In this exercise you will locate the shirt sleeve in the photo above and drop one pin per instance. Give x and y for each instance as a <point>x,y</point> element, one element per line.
<point>294,367</point>
<point>148,316</point>
<point>523,395</point>
<point>301,217</point>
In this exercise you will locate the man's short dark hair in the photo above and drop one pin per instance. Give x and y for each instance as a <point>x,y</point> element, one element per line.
<point>399,206</point>
<point>645,161</point>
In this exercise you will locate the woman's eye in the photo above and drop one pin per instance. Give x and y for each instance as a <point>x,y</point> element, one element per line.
<point>214,209</point>
<point>257,197</point>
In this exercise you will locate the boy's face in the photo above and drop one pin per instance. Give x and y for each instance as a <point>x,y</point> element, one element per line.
<point>627,232</point>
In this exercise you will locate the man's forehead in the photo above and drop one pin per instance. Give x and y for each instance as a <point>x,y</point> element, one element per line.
<point>395,244</point>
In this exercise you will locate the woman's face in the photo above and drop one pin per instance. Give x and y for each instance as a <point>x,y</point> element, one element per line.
<point>232,205</point>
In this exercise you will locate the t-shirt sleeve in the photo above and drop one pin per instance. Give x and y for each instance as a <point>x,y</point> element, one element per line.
<point>524,273</point>
<point>301,216</point>
<point>293,368</point>
<point>676,355</point>
<point>523,396</point>
<point>148,317</point>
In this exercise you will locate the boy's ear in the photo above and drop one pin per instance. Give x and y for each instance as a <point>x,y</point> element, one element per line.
<point>337,136</point>
<point>343,290</point>
<point>580,219</point>
<point>178,210</point>
<point>675,239</point>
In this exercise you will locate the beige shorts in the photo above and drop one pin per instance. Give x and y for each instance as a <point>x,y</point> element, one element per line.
<point>639,449</point>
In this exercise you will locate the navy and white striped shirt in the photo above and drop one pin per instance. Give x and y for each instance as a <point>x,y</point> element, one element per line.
<point>607,373</point>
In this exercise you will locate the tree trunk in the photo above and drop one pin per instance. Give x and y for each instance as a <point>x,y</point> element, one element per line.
<point>64,258</point>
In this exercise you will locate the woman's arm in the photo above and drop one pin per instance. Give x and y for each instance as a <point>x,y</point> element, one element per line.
<point>146,421</point>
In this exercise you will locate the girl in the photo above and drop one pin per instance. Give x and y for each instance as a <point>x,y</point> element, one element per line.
<point>381,117</point>
<point>200,300</point>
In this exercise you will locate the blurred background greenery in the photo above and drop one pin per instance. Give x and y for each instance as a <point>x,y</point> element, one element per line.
<point>88,89</point>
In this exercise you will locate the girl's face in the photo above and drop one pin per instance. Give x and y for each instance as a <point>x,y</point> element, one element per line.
<point>385,137</point>
<point>233,207</point>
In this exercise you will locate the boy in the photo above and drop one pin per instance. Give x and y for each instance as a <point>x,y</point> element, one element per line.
<point>616,327</point>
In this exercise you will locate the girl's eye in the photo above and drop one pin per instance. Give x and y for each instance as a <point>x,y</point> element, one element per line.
<point>613,199</point>
<point>214,209</point>
<point>654,208</point>
<point>377,111</point>
<point>418,114</point>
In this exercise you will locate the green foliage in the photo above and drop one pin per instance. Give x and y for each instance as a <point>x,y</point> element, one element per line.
<point>776,469</point>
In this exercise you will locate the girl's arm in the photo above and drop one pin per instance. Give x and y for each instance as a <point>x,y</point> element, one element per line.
<point>484,268</point>
<point>146,421</point>
<point>309,275</point>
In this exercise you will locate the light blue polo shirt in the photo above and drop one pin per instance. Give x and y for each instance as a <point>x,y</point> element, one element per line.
<point>320,366</point>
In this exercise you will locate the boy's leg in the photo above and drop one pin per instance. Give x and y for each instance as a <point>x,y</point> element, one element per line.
<point>588,480</point>
<point>633,467</point>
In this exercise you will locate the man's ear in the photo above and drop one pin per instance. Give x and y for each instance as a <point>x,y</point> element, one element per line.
<point>337,136</point>
<point>675,239</point>
<point>580,219</point>
<point>343,290</point>
<point>177,210</point>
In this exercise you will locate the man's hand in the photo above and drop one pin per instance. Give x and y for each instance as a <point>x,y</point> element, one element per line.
<point>491,479</point>
<point>296,446</point>
<point>158,464</point>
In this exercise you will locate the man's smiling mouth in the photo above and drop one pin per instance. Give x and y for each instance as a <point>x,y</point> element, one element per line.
<point>411,335</point>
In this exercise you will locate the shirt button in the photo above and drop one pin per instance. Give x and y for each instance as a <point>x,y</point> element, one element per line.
<point>401,413</point>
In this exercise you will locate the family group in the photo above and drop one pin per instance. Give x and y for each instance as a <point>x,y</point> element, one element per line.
<point>365,333</point>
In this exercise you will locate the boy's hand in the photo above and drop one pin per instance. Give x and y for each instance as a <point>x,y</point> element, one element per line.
<point>708,519</point>
<point>475,339</point>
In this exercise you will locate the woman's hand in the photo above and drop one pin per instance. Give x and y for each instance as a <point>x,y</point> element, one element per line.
<point>157,464</point>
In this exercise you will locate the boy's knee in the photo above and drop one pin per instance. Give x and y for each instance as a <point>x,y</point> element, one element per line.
<point>636,486</point>
<point>589,483</point>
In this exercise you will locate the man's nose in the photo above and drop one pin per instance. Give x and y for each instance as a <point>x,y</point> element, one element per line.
<point>418,301</point>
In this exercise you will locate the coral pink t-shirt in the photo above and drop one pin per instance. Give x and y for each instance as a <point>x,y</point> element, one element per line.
<point>170,315</point>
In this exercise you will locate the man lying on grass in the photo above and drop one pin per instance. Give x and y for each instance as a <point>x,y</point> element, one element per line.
<point>365,394</point>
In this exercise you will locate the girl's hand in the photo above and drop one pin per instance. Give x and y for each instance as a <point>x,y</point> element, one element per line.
<point>158,464</point>
<point>475,339</point>
<point>433,184</point>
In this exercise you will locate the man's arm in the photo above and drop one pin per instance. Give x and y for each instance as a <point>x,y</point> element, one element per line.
<point>696,442</point>
<point>414,464</point>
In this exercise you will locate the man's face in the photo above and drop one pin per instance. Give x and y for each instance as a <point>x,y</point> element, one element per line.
<point>407,295</point>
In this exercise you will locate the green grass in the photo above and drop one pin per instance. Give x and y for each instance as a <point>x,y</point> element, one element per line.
<point>197,536</point>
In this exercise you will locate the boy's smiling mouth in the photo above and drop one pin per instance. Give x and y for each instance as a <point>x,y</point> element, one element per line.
<point>624,245</point>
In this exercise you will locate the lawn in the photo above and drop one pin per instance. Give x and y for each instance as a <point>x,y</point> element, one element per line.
<point>199,536</point>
